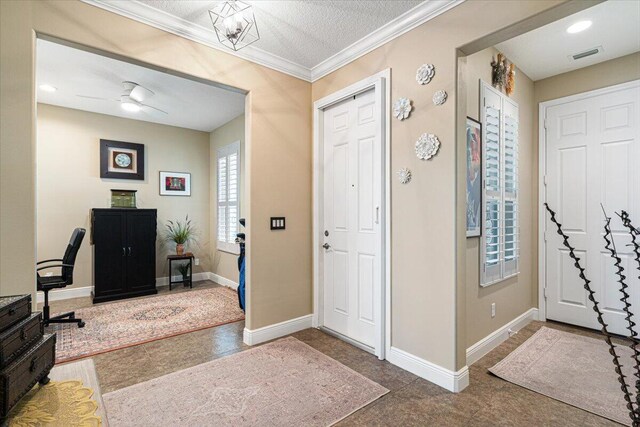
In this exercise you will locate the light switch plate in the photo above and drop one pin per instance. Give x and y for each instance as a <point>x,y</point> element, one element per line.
<point>277,223</point>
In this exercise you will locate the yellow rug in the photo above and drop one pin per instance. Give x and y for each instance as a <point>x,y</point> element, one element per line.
<point>59,404</point>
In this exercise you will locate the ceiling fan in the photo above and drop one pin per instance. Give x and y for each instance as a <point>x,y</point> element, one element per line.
<point>132,99</point>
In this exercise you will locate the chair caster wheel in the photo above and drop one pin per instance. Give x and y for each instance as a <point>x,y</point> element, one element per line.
<point>81,324</point>
<point>44,381</point>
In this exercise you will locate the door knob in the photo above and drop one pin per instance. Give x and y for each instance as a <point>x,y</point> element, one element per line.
<point>326,246</point>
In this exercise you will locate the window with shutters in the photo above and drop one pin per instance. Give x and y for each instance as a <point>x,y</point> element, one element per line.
<point>500,230</point>
<point>228,185</point>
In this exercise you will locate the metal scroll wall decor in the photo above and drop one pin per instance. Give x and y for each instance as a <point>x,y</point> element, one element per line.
<point>503,74</point>
<point>632,404</point>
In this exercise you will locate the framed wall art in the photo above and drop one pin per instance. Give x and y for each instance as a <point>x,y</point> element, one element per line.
<point>121,160</point>
<point>474,177</point>
<point>175,184</point>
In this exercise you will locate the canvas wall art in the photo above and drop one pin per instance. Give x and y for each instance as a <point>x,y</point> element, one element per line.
<point>474,178</point>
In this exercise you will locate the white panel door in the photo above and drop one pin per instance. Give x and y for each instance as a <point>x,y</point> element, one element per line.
<point>592,158</point>
<point>352,271</point>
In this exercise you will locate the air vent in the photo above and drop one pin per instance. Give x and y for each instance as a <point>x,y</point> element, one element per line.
<point>586,53</point>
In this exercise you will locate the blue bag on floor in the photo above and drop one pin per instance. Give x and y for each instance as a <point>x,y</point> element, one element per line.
<point>241,285</point>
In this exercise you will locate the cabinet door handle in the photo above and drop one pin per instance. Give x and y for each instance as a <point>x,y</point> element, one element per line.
<point>129,250</point>
<point>124,251</point>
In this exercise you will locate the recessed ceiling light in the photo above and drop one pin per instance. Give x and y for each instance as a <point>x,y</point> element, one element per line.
<point>48,88</point>
<point>579,26</point>
<point>130,106</point>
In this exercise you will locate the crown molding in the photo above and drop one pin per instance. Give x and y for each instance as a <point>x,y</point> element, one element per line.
<point>156,18</point>
<point>406,22</point>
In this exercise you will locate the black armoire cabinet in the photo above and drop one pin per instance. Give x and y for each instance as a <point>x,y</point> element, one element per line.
<point>124,253</point>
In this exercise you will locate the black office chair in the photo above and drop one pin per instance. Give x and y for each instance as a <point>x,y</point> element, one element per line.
<point>47,283</point>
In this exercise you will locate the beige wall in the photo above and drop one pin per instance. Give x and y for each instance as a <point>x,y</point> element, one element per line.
<point>513,296</point>
<point>608,73</point>
<point>425,229</point>
<point>69,183</point>
<point>224,263</point>
<point>428,247</point>
<point>278,145</point>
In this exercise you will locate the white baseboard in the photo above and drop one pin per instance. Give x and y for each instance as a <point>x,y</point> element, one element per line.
<point>85,291</point>
<point>222,281</point>
<point>478,350</point>
<point>266,333</point>
<point>450,380</point>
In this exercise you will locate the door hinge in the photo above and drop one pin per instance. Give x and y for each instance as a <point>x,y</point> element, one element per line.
<point>545,123</point>
<point>544,180</point>
<point>544,292</point>
<point>544,235</point>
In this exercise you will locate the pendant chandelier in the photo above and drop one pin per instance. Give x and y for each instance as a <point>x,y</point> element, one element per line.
<point>234,23</point>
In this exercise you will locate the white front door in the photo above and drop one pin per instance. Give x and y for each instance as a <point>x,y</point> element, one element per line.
<point>592,158</point>
<point>352,272</point>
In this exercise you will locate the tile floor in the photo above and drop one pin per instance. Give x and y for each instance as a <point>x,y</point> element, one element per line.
<point>488,401</point>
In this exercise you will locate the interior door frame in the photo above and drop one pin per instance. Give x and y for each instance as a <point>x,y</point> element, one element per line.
<point>542,182</point>
<point>381,83</point>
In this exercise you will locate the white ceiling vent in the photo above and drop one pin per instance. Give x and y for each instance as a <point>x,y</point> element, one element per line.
<point>584,54</point>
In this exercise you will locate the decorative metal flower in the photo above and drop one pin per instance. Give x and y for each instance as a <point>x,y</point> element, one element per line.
<point>402,108</point>
<point>425,73</point>
<point>404,175</point>
<point>427,146</point>
<point>440,97</point>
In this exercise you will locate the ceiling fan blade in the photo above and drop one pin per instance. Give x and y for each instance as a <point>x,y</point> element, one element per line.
<point>144,106</point>
<point>140,93</point>
<point>97,97</point>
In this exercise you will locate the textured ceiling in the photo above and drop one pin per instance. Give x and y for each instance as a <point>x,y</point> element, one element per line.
<point>304,32</point>
<point>73,72</point>
<point>546,51</point>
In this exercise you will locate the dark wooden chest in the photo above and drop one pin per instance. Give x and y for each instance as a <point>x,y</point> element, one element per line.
<point>26,353</point>
<point>14,341</point>
<point>14,309</point>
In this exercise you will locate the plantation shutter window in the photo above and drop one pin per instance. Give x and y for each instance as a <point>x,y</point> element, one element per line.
<point>228,185</point>
<point>500,229</point>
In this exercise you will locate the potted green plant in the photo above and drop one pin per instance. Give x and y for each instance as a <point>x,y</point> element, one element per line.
<point>180,233</point>
<point>184,270</point>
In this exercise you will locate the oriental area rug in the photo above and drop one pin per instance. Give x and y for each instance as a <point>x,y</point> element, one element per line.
<point>283,383</point>
<point>117,325</point>
<point>572,369</point>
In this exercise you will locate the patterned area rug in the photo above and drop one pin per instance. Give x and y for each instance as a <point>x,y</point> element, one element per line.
<point>570,368</point>
<point>283,383</point>
<point>66,403</point>
<point>123,324</point>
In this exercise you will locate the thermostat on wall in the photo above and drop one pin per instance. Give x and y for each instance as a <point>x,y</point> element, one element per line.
<point>277,223</point>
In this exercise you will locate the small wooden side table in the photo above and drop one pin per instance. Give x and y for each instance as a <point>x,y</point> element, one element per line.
<point>186,257</point>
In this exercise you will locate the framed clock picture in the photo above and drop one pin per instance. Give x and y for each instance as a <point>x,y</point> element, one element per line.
<point>121,160</point>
